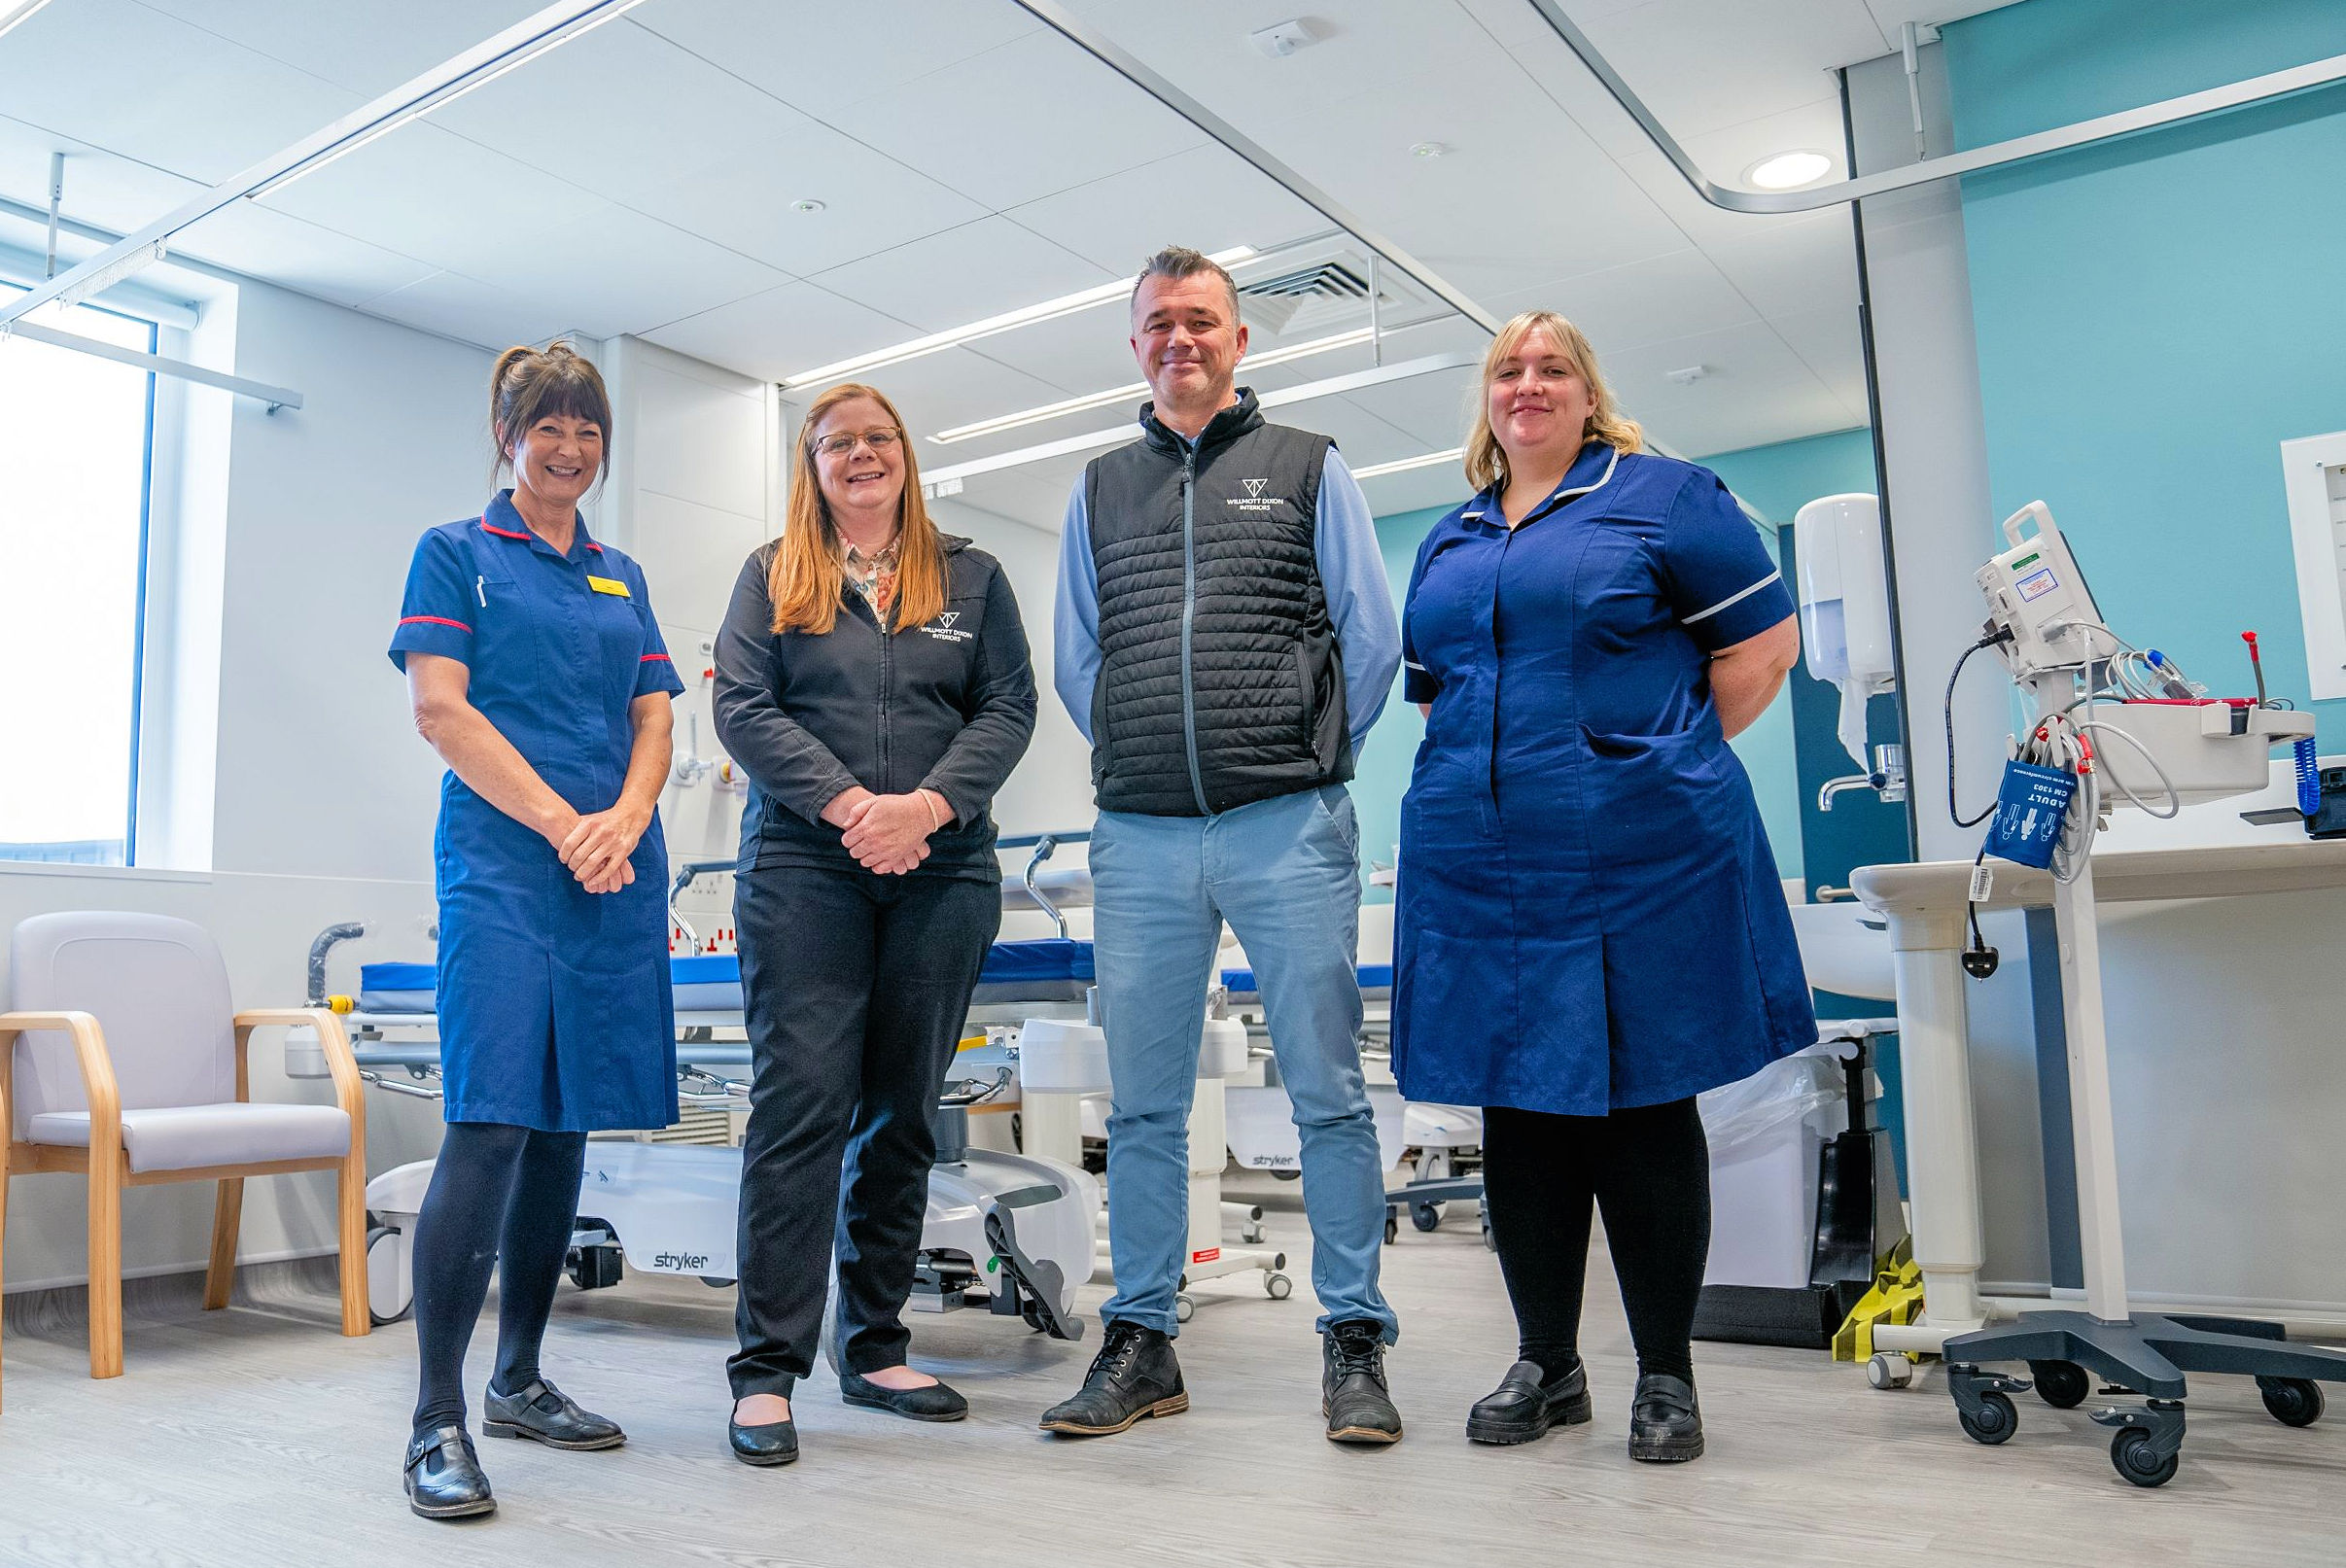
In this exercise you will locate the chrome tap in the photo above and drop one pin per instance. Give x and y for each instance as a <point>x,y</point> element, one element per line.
<point>1888,779</point>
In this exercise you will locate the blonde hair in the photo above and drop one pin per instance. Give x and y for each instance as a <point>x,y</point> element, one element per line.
<point>1485,459</point>
<point>807,575</point>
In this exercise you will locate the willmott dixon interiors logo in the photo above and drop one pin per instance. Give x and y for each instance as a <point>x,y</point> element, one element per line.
<point>1254,501</point>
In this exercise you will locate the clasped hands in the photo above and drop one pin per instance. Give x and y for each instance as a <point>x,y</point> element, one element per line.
<point>887,835</point>
<point>596,847</point>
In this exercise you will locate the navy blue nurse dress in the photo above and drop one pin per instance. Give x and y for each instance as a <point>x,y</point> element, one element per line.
<point>554,1003</point>
<point>1589,913</point>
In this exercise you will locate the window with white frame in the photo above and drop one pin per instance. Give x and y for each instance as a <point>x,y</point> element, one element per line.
<point>76,446</point>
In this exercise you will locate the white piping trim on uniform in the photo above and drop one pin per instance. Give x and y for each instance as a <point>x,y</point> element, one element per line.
<point>1415,665</point>
<point>1735,599</point>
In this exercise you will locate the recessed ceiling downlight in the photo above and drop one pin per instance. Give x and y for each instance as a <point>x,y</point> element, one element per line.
<point>1786,171</point>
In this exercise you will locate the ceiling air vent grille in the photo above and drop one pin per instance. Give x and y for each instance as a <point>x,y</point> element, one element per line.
<point>1326,280</point>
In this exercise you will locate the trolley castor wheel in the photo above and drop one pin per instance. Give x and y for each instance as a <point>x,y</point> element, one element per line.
<point>1279,1287</point>
<point>2292,1401</point>
<point>1889,1368</point>
<point>1185,1308</point>
<point>1393,1228</point>
<point>1425,1216</point>
<point>2148,1445</point>
<point>2061,1384</point>
<point>1983,1403</point>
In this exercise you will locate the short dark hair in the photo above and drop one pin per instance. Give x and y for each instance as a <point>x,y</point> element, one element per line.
<point>531,384</point>
<point>1180,261</point>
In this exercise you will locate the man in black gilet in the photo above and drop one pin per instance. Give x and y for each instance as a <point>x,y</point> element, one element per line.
<point>1226,637</point>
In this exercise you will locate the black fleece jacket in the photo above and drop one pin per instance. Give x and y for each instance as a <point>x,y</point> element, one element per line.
<point>948,707</point>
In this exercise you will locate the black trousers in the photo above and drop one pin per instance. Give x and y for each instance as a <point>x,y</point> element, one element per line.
<point>1649,1169</point>
<point>857,987</point>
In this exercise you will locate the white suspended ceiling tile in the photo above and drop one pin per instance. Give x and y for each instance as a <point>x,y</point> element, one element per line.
<point>294,254</point>
<point>1519,178</point>
<point>101,188</point>
<point>657,110</point>
<point>1754,390</point>
<point>1362,46</point>
<point>1438,488</point>
<point>1622,307</point>
<point>1430,412</point>
<point>470,311</point>
<point>963,274</point>
<point>959,387</point>
<point>820,56</point>
<point>613,270</point>
<point>425,192</point>
<point>740,195</point>
<point>1076,355</point>
<point>1703,65</point>
<point>362,45</point>
<point>1808,266</point>
<point>1019,123</point>
<point>1830,343</point>
<point>774,334</point>
<point>128,79</point>
<point>1892,14</point>
<point>1208,198</point>
<point>1360,435</point>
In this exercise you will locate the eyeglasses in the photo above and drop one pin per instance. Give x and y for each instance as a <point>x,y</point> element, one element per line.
<point>844,441</point>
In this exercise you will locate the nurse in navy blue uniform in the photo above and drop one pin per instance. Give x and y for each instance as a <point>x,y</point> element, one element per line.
<point>538,672</point>
<point>1591,930</point>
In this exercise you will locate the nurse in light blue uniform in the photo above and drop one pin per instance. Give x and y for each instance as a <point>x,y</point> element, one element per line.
<point>1591,930</point>
<point>539,674</point>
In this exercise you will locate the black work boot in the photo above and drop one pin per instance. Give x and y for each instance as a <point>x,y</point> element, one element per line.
<point>1529,1402</point>
<point>1665,1423</point>
<point>444,1478</point>
<point>1353,1392</point>
<point>1133,1375</point>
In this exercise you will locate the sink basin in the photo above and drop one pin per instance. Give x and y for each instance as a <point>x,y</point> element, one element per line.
<point>1846,947</point>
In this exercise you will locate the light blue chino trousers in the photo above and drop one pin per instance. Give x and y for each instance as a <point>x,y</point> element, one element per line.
<point>1285,874</point>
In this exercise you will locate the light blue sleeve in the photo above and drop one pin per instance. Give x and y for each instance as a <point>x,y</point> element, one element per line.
<point>1076,656</point>
<point>1360,602</point>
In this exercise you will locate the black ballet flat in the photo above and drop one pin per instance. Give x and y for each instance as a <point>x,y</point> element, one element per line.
<point>769,1442</point>
<point>935,1403</point>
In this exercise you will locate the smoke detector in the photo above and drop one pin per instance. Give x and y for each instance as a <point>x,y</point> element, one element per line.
<point>1280,41</point>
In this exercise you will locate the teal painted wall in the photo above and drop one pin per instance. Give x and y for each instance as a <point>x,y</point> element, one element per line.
<point>2155,315</point>
<point>1776,479</point>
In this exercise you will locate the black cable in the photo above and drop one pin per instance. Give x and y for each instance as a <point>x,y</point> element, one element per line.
<point>1947,714</point>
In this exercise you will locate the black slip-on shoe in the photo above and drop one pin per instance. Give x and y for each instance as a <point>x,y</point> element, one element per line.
<point>543,1414</point>
<point>443,1478</point>
<point>939,1402</point>
<point>1527,1403</point>
<point>1354,1394</point>
<point>1134,1375</point>
<point>768,1443</point>
<point>1665,1423</point>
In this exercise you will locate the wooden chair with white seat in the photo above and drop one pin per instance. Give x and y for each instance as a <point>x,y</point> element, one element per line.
<point>123,1061</point>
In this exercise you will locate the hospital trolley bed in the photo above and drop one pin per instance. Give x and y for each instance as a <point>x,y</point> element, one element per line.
<point>1008,1232</point>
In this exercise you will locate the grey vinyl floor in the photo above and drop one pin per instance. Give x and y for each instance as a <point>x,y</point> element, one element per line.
<point>258,1436</point>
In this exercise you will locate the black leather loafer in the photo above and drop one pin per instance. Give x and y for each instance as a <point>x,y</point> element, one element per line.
<point>935,1403</point>
<point>1527,1404</point>
<point>443,1478</point>
<point>769,1442</point>
<point>1665,1423</point>
<point>543,1414</point>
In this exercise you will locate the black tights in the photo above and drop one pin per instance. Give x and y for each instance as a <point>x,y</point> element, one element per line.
<point>1649,1169</point>
<point>501,1196</point>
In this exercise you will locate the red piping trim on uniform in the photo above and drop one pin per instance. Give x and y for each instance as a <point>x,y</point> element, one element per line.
<point>649,657</point>
<point>487,527</point>
<point>592,546</point>
<point>435,620</point>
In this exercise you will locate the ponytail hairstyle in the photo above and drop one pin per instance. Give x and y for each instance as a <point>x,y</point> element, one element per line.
<point>1485,459</point>
<point>531,384</point>
<point>808,574</point>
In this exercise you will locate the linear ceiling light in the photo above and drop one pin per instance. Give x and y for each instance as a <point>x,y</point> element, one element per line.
<point>525,40</point>
<point>1025,316</point>
<point>11,16</point>
<point>947,481</point>
<point>1403,466</point>
<point>1117,395</point>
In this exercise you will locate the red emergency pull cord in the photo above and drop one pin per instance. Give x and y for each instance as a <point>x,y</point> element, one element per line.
<point>2256,662</point>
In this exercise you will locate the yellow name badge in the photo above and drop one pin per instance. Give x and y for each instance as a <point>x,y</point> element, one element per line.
<point>609,585</point>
